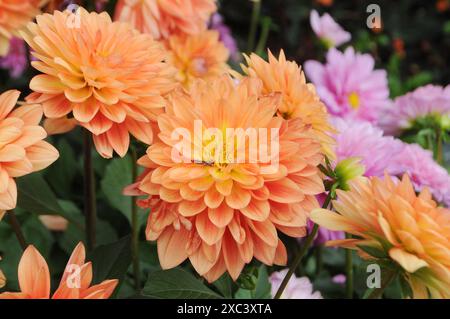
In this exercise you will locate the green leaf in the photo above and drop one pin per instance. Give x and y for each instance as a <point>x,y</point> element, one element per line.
<point>176,284</point>
<point>118,175</point>
<point>35,196</point>
<point>225,285</point>
<point>373,251</point>
<point>111,261</point>
<point>263,286</point>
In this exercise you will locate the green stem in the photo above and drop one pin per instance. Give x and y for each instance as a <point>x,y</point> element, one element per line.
<point>439,151</point>
<point>253,25</point>
<point>15,225</point>
<point>90,208</point>
<point>135,227</point>
<point>266,23</point>
<point>387,280</point>
<point>349,272</point>
<point>308,242</point>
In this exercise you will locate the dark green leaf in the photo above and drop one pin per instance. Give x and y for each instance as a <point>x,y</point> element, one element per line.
<point>176,284</point>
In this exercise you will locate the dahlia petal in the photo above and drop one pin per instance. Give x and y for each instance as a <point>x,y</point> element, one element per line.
<point>409,262</point>
<point>232,258</point>
<point>114,112</point>
<point>8,199</point>
<point>41,155</point>
<point>11,153</point>
<point>170,247</point>
<point>191,208</point>
<point>284,191</point>
<point>34,276</point>
<point>47,84</point>
<point>29,114</point>
<point>213,198</point>
<point>85,111</point>
<point>119,139</point>
<point>77,96</point>
<point>141,131</point>
<point>330,220</point>
<point>56,107</point>
<point>59,126</point>
<point>7,102</point>
<point>239,198</point>
<point>221,216</point>
<point>280,254</point>
<point>266,231</point>
<point>257,210</point>
<point>209,232</point>
<point>102,145</point>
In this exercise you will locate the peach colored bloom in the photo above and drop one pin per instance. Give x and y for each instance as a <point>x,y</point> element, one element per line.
<point>411,230</point>
<point>34,278</point>
<point>108,76</point>
<point>214,210</point>
<point>14,15</point>
<point>22,149</point>
<point>299,99</point>
<point>162,18</point>
<point>200,56</point>
<point>54,222</point>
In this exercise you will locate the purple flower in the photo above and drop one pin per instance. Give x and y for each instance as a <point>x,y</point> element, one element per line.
<point>349,86</point>
<point>225,36</point>
<point>331,33</point>
<point>423,171</point>
<point>429,100</point>
<point>16,59</point>
<point>363,140</point>
<point>297,288</point>
<point>339,279</point>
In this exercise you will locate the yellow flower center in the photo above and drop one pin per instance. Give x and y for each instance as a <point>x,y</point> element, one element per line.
<point>353,100</point>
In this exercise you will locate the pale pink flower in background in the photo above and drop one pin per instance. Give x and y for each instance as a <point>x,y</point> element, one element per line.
<point>54,222</point>
<point>331,33</point>
<point>339,279</point>
<point>428,100</point>
<point>225,36</point>
<point>16,60</point>
<point>348,84</point>
<point>423,170</point>
<point>297,288</point>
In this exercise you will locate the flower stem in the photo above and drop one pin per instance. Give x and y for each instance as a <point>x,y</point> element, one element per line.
<point>439,152</point>
<point>15,225</point>
<point>308,242</point>
<point>253,25</point>
<point>349,272</point>
<point>90,208</point>
<point>135,227</point>
<point>266,23</point>
<point>378,292</point>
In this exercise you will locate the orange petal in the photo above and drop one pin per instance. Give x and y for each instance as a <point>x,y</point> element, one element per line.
<point>34,276</point>
<point>171,247</point>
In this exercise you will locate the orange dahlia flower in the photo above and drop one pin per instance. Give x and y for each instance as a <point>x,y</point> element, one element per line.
<point>106,75</point>
<point>200,56</point>
<point>407,229</point>
<point>214,208</point>
<point>22,149</point>
<point>299,99</point>
<point>34,278</point>
<point>14,15</point>
<point>162,18</point>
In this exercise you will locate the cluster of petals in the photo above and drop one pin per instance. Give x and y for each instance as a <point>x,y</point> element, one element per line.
<point>349,86</point>
<point>299,98</point>
<point>14,15</point>
<point>199,56</point>
<point>162,18</point>
<point>429,100</point>
<point>386,215</point>
<point>34,278</point>
<point>22,149</point>
<point>107,76</point>
<point>221,214</point>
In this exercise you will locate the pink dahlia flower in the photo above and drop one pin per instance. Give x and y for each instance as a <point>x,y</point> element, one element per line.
<point>428,100</point>
<point>297,288</point>
<point>363,140</point>
<point>423,171</point>
<point>329,32</point>
<point>348,84</point>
